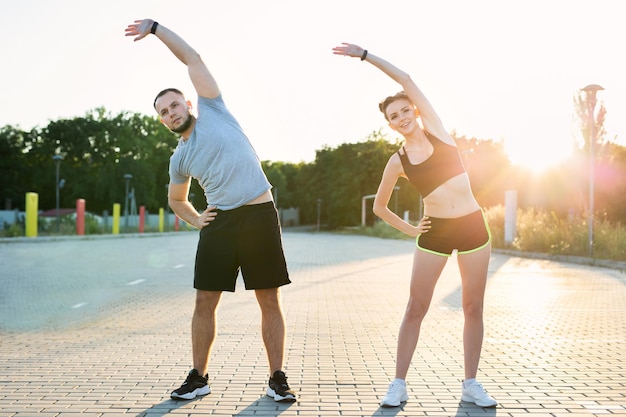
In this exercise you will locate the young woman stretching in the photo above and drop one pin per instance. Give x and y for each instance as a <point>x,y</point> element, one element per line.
<point>452,220</point>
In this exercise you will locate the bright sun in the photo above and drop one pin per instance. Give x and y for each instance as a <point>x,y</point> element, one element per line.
<point>537,156</point>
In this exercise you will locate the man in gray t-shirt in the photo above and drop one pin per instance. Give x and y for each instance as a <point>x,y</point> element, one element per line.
<point>220,156</point>
<point>239,230</point>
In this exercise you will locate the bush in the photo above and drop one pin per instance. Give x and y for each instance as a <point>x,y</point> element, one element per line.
<point>495,220</point>
<point>92,227</point>
<point>540,231</point>
<point>544,232</point>
<point>382,230</point>
<point>14,230</point>
<point>610,240</point>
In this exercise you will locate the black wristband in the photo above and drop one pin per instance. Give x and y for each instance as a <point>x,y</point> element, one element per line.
<point>153,28</point>
<point>364,55</point>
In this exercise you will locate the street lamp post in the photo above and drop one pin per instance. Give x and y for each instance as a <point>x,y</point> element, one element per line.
<point>319,213</point>
<point>167,207</point>
<point>127,177</point>
<point>590,92</point>
<point>57,159</point>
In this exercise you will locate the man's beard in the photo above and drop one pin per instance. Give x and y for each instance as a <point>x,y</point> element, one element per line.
<point>185,125</point>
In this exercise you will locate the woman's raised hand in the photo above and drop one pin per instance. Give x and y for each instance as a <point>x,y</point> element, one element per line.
<point>139,29</point>
<point>349,49</point>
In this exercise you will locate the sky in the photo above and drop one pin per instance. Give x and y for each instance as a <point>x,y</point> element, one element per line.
<point>493,69</point>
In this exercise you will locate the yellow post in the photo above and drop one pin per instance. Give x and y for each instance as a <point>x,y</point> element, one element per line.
<point>116,218</point>
<point>161,216</point>
<point>32,202</point>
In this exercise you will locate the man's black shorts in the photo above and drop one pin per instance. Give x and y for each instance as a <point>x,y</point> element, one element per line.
<point>247,238</point>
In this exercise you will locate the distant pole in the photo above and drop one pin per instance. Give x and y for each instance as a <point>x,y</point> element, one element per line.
<point>127,177</point>
<point>167,209</point>
<point>364,208</point>
<point>510,217</point>
<point>116,219</point>
<point>32,205</point>
<point>80,216</point>
<point>319,212</point>
<point>142,215</point>
<point>57,159</point>
<point>590,92</point>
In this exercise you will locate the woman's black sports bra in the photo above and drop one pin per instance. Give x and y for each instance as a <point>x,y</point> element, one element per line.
<point>444,163</point>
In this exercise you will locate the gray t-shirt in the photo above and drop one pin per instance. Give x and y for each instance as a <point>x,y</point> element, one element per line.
<point>220,156</point>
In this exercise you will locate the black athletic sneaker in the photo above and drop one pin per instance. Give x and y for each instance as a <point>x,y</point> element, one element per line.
<point>279,389</point>
<point>193,386</point>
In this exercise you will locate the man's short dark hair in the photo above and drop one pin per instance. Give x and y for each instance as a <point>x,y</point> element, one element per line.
<point>167,90</point>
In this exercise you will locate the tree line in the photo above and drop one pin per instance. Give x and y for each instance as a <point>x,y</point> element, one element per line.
<point>99,148</point>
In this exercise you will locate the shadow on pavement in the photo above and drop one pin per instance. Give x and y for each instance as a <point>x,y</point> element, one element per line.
<point>468,409</point>
<point>166,407</point>
<point>388,411</point>
<point>265,406</point>
<point>464,410</point>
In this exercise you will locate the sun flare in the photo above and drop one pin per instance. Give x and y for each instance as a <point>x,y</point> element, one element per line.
<point>537,157</point>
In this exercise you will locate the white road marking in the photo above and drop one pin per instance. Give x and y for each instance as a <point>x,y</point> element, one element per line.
<point>135,282</point>
<point>179,266</point>
<point>79,305</point>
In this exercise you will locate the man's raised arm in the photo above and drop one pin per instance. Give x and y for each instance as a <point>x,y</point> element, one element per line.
<point>202,80</point>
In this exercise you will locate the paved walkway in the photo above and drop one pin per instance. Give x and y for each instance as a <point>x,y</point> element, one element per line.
<point>100,327</point>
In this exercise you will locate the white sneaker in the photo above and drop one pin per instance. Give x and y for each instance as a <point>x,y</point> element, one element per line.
<point>476,394</point>
<point>396,394</point>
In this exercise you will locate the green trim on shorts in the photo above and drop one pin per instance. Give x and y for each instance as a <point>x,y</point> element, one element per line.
<point>458,253</point>
<point>431,251</point>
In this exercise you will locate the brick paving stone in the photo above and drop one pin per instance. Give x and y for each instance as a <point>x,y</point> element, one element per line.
<point>99,326</point>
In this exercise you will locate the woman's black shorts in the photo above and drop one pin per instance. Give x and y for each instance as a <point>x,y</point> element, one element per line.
<point>465,234</point>
<point>247,238</point>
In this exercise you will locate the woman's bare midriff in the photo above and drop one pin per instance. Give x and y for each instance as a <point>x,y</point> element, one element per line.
<point>452,199</point>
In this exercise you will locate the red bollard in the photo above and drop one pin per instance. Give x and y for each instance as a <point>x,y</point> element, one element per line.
<point>176,226</point>
<point>142,215</point>
<point>80,216</point>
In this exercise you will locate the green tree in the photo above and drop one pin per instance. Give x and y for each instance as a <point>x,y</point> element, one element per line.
<point>98,150</point>
<point>12,166</point>
<point>277,177</point>
<point>590,119</point>
<point>589,113</point>
<point>611,182</point>
<point>343,175</point>
<point>488,168</point>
